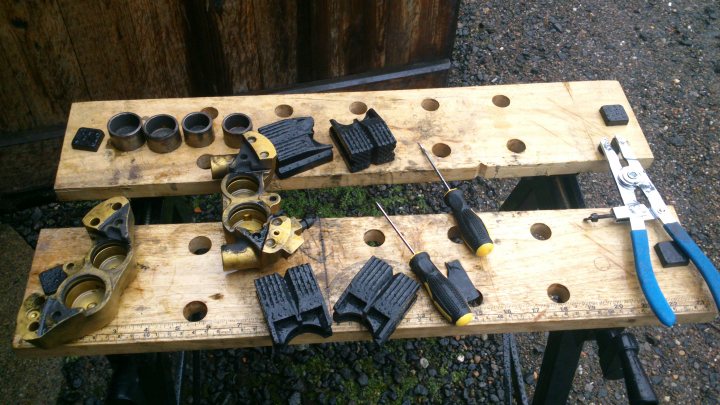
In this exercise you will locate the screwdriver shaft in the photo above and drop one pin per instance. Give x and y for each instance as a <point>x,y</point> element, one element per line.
<point>395,228</point>
<point>427,156</point>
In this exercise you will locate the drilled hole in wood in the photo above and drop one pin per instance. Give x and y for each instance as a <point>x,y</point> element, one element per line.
<point>203,161</point>
<point>430,104</point>
<point>199,245</point>
<point>558,293</point>
<point>116,206</point>
<point>211,111</point>
<point>540,231</point>
<point>358,108</point>
<point>195,311</point>
<point>95,221</point>
<point>441,150</point>
<point>33,326</point>
<point>283,111</point>
<point>501,101</point>
<point>454,234</point>
<point>374,238</point>
<point>516,146</point>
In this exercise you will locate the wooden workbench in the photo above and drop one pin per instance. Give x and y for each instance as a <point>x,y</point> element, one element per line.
<point>557,124</point>
<point>588,266</point>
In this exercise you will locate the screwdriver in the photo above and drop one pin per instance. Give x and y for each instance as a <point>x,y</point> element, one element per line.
<point>472,228</point>
<point>444,295</point>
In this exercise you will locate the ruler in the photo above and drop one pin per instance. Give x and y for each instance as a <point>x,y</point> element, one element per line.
<point>492,316</point>
<point>592,263</point>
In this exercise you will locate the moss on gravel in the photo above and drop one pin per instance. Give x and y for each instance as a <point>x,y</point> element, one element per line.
<point>339,201</point>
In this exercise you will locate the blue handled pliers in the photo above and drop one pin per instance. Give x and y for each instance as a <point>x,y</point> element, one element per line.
<point>628,179</point>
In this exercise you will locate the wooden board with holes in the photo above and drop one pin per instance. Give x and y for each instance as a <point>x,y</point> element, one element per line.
<point>492,131</point>
<point>587,266</point>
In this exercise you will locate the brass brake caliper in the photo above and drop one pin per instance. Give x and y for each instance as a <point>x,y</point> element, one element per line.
<point>256,232</point>
<point>88,298</point>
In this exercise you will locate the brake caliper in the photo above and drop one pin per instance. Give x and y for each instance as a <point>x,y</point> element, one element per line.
<point>81,297</point>
<point>256,232</point>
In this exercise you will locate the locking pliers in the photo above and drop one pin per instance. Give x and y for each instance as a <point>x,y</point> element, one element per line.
<point>628,179</point>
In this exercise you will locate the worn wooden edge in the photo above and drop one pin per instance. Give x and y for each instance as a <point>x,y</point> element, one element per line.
<point>559,124</point>
<point>593,260</point>
<point>219,342</point>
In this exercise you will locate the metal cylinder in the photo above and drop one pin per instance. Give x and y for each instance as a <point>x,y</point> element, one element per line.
<point>198,129</point>
<point>234,126</point>
<point>162,133</point>
<point>125,131</point>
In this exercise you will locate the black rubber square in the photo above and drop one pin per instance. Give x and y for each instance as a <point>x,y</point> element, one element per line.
<point>614,115</point>
<point>88,139</point>
<point>670,255</point>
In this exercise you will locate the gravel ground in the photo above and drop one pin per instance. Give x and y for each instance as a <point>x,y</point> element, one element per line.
<point>666,56</point>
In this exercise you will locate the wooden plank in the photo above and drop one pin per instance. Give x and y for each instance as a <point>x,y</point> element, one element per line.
<point>40,73</point>
<point>276,41</point>
<point>54,52</point>
<point>417,76</point>
<point>137,51</point>
<point>350,37</point>
<point>20,169</point>
<point>593,261</point>
<point>559,124</point>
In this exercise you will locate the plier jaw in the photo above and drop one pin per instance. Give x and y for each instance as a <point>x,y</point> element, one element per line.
<point>629,178</point>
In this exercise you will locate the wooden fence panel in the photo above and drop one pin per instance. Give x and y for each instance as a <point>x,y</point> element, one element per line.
<point>54,52</point>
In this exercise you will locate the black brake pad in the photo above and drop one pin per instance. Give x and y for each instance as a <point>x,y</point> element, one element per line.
<point>458,277</point>
<point>354,146</point>
<point>670,254</point>
<point>614,115</point>
<point>88,139</point>
<point>296,149</point>
<point>382,139</point>
<point>364,142</point>
<point>293,304</point>
<point>51,279</point>
<point>377,299</point>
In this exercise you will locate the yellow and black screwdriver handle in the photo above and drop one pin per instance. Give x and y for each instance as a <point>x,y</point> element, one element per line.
<point>472,228</point>
<point>443,294</point>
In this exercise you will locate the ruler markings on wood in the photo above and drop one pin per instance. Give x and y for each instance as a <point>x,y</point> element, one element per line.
<point>491,314</point>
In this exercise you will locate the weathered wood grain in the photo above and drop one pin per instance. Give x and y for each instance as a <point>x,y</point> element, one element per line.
<point>593,261</point>
<point>40,73</point>
<point>55,52</point>
<point>128,49</point>
<point>558,123</point>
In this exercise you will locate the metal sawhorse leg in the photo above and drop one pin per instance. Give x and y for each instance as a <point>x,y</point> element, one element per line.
<point>617,349</point>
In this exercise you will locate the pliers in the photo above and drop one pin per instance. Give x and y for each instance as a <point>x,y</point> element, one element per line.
<point>628,179</point>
